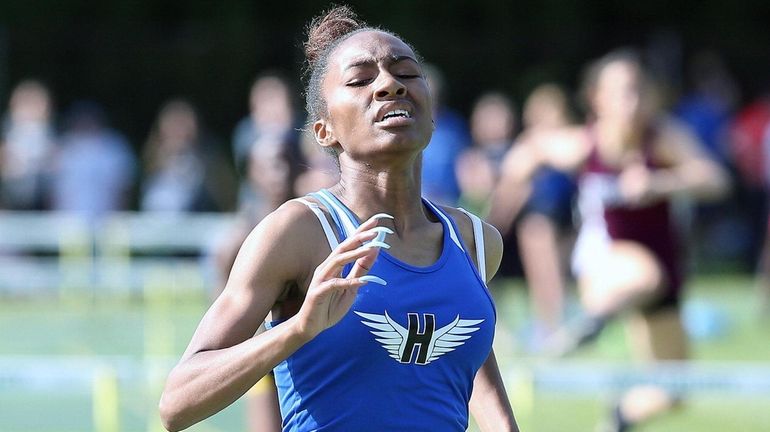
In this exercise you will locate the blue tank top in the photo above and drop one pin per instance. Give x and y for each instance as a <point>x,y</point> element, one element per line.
<point>405,355</point>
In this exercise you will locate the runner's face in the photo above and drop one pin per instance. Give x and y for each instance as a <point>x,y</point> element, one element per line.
<point>618,95</point>
<point>377,99</point>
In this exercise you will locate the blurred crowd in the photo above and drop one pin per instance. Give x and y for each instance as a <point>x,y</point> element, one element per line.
<point>75,161</point>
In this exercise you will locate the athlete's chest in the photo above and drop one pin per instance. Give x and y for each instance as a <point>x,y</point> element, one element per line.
<point>419,318</point>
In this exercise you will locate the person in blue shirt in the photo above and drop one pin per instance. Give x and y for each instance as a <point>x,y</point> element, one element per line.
<point>379,314</point>
<point>449,140</point>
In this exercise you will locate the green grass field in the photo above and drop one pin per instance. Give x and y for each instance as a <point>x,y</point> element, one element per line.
<point>71,338</point>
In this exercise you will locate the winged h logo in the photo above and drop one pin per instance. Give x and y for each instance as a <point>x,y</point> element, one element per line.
<point>432,343</point>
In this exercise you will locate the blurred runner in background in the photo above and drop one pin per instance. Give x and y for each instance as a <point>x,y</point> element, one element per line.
<point>542,214</point>
<point>632,161</point>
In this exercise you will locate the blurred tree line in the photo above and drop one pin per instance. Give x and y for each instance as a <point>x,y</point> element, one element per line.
<point>131,55</point>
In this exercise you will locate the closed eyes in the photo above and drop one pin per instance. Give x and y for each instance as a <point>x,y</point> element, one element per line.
<point>359,83</point>
<point>366,81</point>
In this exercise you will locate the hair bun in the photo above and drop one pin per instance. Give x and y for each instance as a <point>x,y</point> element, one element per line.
<point>327,28</point>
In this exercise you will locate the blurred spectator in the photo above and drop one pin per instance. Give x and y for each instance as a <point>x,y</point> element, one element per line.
<point>542,213</point>
<point>270,127</point>
<point>746,149</point>
<point>270,111</point>
<point>707,107</point>
<point>95,166</point>
<point>493,122</point>
<point>764,258</point>
<point>183,170</point>
<point>274,165</point>
<point>450,138</point>
<point>709,103</point>
<point>26,148</point>
<point>746,141</point>
<point>266,146</point>
<point>270,162</point>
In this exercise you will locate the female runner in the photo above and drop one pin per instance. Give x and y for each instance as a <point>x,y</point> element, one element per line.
<point>631,163</point>
<point>380,317</point>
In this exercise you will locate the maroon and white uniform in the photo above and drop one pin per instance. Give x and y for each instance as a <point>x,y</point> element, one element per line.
<point>606,217</point>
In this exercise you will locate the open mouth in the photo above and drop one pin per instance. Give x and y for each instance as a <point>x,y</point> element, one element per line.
<point>399,113</point>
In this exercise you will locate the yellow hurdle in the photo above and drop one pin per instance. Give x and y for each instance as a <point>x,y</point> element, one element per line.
<point>523,392</point>
<point>106,403</point>
<point>75,263</point>
<point>159,299</point>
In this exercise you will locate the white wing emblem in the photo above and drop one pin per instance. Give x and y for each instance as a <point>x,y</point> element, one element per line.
<point>395,338</point>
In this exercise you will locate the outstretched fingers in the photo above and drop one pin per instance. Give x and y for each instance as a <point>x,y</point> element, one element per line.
<point>362,265</point>
<point>361,248</point>
<point>337,284</point>
<point>334,264</point>
<point>330,296</point>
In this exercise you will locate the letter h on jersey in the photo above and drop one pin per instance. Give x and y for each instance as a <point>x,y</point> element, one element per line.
<point>417,337</point>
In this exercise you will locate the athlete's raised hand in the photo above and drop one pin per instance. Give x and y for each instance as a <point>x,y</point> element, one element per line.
<point>329,295</point>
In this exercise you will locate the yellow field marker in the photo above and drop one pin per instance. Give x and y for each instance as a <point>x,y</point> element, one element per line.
<point>106,403</point>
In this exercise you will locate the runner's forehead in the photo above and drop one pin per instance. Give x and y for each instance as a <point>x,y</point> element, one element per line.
<point>371,47</point>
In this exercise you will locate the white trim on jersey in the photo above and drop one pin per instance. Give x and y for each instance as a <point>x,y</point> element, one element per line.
<point>349,226</point>
<point>478,238</point>
<point>329,201</point>
<point>330,236</point>
<point>452,232</point>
